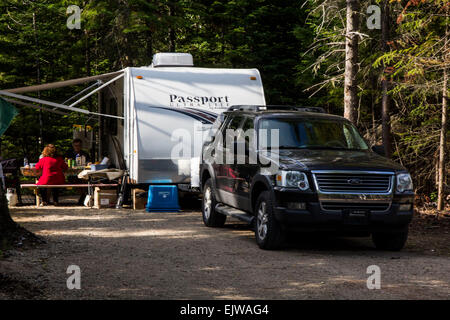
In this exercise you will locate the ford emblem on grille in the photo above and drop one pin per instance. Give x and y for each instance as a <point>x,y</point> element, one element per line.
<point>363,197</point>
<point>354,181</point>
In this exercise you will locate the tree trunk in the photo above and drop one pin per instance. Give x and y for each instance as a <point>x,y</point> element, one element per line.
<point>87,57</point>
<point>6,222</point>
<point>443,140</point>
<point>38,78</point>
<point>386,99</point>
<point>149,44</point>
<point>351,61</point>
<point>386,119</point>
<point>172,35</point>
<point>374,88</point>
<point>442,144</point>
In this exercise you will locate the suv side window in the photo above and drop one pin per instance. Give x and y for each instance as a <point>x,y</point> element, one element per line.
<point>248,126</point>
<point>233,124</point>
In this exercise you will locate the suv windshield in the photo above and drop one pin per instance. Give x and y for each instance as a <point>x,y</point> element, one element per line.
<point>311,134</point>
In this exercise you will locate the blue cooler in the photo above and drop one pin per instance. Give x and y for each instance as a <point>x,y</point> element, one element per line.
<point>162,199</point>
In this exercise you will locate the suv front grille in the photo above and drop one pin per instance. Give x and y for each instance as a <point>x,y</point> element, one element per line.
<point>353,182</point>
<point>339,206</point>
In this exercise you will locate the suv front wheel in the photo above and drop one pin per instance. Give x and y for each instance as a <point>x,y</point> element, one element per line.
<point>268,231</point>
<point>394,241</point>
<point>211,218</point>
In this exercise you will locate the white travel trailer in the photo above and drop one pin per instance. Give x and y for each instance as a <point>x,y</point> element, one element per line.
<point>148,114</point>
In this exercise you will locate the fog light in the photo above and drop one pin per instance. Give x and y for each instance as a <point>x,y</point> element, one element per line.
<point>296,205</point>
<point>404,207</point>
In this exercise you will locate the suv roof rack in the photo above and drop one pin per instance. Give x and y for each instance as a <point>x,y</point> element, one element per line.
<point>246,108</point>
<point>256,108</point>
<point>312,109</point>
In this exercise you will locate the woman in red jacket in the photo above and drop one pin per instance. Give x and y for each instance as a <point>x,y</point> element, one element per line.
<point>53,167</point>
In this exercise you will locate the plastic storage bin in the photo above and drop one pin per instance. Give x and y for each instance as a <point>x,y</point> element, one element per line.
<point>163,199</point>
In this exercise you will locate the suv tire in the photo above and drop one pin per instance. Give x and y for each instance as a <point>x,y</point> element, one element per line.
<point>268,231</point>
<point>211,218</point>
<point>393,241</point>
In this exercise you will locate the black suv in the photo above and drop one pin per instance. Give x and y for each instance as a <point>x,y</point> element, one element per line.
<point>282,168</point>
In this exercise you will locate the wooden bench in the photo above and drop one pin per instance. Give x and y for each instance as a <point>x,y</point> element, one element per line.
<point>66,186</point>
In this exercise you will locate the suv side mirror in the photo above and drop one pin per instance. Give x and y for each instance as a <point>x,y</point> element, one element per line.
<point>379,150</point>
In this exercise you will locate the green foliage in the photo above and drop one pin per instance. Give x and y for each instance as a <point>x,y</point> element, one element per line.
<point>433,196</point>
<point>296,44</point>
<point>263,34</point>
<point>413,63</point>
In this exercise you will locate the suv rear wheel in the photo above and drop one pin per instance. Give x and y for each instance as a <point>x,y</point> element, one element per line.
<point>211,218</point>
<point>268,231</point>
<point>390,241</point>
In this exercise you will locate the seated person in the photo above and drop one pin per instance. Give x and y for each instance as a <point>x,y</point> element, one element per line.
<point>77,145</point>
<point>53,167</point>
<point>77,149</point>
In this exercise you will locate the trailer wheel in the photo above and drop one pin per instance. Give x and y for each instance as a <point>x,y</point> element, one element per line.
<point>211,218</point>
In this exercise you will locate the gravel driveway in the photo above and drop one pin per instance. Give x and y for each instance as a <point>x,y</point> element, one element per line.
<point>125,254</point>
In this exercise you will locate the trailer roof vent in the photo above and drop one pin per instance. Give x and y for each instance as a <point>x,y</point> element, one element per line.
<point>169,59</point>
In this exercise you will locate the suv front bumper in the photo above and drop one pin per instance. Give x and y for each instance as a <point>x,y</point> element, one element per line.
<point>315,216</point>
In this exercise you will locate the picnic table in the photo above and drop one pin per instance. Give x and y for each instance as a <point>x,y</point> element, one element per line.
<point>35,173</point>
<point>82,173</point>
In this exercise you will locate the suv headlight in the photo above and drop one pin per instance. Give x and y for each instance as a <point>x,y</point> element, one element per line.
<point>293,179</point>
<point>404,182</point>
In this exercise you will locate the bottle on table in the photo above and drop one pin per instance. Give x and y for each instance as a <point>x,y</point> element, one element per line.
<point>25,162</point>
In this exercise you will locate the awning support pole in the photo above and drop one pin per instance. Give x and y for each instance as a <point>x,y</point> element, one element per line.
<point>98,89</point>
<point>36,107</point>
<point>98,82</point>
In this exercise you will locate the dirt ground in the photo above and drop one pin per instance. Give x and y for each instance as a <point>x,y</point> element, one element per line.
<point>126,254</point>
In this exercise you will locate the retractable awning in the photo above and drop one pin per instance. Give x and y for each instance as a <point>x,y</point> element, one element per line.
<point>14,93</point>
<point>61,84</point>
